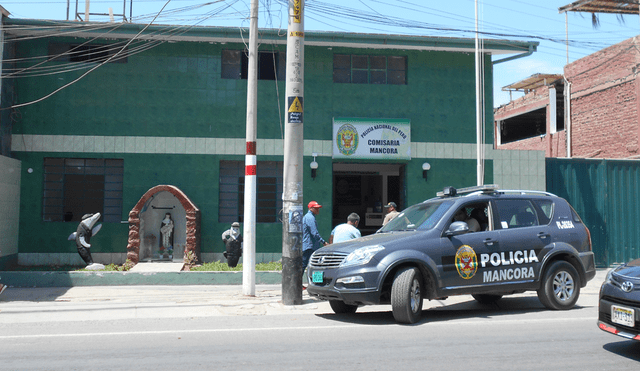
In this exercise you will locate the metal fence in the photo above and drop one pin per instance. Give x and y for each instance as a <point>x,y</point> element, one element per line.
<point>606,194</point>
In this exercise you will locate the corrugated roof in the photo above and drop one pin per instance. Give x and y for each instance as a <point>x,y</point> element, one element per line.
<point>532,82</point>
<point>601,6</point>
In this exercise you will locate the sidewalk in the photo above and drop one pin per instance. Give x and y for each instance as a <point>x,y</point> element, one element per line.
<point>80,303</point>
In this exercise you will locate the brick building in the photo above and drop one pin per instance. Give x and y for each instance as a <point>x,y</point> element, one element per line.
<point>601,119</point>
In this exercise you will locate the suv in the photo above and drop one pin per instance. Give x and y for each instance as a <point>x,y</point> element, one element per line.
<point>477,240</point>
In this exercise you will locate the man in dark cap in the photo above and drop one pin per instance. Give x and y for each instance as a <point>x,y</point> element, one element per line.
<point>391,212</point>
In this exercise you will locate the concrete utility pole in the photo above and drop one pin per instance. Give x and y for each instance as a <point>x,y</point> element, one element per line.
<point>479,105</point>
<point>251,161</point>
<point>293,151</point>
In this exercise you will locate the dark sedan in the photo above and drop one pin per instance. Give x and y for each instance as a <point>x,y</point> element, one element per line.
<point>619,307</point>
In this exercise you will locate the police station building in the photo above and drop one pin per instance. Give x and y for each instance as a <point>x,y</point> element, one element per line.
<point>161,128</point>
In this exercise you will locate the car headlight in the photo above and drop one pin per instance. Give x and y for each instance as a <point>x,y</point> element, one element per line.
<point>362,255</point>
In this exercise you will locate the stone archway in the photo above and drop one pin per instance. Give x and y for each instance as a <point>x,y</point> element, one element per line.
<point>192,215</point>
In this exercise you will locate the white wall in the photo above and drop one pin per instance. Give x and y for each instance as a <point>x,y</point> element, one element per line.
<point>10,170</point>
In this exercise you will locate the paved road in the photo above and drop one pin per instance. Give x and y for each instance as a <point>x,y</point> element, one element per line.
<point>216,327</point>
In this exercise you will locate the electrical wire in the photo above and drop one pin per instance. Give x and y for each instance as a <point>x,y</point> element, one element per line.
<point>92,69</point>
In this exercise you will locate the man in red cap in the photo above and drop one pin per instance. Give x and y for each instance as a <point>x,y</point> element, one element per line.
<point>311,239</point>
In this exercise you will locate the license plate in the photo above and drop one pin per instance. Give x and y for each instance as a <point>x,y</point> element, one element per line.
<point>622,316</point>
<point>317,277</point>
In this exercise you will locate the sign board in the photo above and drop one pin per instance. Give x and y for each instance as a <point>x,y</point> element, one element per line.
<point>378,139</point>
<point>295,110</point>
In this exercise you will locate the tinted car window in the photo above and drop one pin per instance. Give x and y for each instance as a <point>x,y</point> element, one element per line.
<point>516,213</point>
<point>546,207</point>
<point>422,216</point>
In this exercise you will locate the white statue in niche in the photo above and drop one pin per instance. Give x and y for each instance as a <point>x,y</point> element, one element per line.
<point>166,230</point>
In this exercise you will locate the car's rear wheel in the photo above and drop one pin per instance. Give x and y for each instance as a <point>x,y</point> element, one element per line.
<point>340,307</point>
<point>560,286</point>
<point>486,298</point>
<point>406,296</point>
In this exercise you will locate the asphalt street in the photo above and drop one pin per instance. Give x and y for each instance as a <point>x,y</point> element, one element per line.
<point>217,327</point>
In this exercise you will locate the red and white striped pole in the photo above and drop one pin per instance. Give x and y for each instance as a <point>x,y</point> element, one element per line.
<point>251,162</point>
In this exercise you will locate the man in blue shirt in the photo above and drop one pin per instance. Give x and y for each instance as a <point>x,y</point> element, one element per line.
<point>346,231</point>
<point>311,239</point>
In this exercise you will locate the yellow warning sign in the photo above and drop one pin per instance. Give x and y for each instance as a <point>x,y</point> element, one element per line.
<point>295,114</point>
<point>296,33</point>
<point>295,105</point>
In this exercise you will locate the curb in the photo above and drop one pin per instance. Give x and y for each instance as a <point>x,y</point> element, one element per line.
<point>102,278</point>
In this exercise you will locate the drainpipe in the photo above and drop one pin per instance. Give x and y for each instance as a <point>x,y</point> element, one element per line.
<point>567,109</point>
<point>517,56</point>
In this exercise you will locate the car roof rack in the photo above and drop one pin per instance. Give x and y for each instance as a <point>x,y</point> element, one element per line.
<point>526,192</point>
<point>467,191</point>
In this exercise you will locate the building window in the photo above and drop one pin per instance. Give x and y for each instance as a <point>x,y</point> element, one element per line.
<point>527,125</point>
<point>74,187</point>
<point>369,69</point>
<point>268,191</point>
<point>235,64</point>
<point>86,53</point>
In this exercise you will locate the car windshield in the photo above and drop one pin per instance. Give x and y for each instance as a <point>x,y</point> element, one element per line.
<point>421,216</point>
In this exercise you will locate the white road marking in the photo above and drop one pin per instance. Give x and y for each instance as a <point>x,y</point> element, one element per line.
<point>476,322</point>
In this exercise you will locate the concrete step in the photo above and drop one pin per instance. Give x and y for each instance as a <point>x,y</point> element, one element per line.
<point>157,267</point>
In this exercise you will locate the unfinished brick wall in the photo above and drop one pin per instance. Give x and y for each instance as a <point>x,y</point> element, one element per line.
<point>604,102</point>
<point>553,145</point>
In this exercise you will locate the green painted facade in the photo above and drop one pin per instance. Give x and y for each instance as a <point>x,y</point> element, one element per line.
<point>175,90</point>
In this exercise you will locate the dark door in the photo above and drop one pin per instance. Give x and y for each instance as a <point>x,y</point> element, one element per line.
<point>462,255</point>
<point>522,238</point>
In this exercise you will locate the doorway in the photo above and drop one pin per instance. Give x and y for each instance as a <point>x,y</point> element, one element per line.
<point>365,189</point>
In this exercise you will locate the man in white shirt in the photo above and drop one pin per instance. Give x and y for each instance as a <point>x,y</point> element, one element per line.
<point>346,231</point>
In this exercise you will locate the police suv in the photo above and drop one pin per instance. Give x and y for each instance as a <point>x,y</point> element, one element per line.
<point>477,240</point>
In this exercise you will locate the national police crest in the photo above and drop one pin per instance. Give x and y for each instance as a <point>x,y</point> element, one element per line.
<point>347,139</point>
<point>466,262</point>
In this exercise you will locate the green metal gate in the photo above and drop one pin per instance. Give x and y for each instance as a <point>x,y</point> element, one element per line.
<point>606,194</point>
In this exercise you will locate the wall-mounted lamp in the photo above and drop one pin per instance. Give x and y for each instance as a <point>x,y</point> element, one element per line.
<point>314,166</point>
<point>425,167</point>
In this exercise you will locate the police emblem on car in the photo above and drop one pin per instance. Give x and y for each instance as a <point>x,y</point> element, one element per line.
<point>479,241</point>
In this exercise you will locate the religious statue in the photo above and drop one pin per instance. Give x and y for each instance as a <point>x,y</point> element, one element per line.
<point>166,230</point>
<point>82,236</point>
<point>233,242</point>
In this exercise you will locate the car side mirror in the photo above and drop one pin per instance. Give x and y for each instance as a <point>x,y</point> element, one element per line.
<point>457,228</point>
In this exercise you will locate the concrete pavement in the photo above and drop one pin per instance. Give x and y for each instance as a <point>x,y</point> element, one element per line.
<point>83,303</point>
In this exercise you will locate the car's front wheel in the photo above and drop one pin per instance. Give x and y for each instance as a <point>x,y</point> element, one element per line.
<point>560,286</point>
<point>406,296</point>
<point>340,307</point>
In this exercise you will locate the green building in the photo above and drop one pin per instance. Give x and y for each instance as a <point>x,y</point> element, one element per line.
<point>169,108</point>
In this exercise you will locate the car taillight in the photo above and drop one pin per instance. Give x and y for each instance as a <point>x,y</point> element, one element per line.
<point>589,236</point>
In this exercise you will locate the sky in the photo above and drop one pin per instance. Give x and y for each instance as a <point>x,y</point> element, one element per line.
<point>521,20</point>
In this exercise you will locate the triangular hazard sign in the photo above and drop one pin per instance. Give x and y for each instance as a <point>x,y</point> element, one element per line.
<point>295,106</point>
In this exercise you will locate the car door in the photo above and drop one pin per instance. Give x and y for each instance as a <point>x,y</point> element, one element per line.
<point>461,253</point>
<point>522,239</point>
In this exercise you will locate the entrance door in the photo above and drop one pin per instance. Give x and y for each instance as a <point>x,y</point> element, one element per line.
<point>365,189</point>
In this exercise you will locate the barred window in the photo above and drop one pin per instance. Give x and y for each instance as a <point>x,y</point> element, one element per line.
<point>369,69</point>
<point>86,53</point>
<point>74,187</point>
<point>268,191</point>
<point>235,64</point>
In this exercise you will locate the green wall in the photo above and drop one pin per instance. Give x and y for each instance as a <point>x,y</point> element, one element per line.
<point>175,90</point>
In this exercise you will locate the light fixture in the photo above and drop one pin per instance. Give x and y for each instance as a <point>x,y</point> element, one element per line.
<point>425,167</point>
<point>314,166</point>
